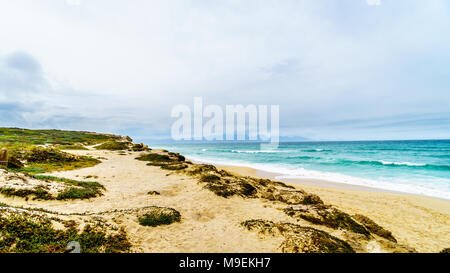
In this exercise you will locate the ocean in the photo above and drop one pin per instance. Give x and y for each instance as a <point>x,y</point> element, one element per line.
<point>419,167</point>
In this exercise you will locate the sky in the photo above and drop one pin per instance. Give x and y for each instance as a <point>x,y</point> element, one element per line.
<point>338,69</point>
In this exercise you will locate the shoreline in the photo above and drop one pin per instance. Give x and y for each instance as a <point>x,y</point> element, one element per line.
<point>306,181</point>
<point>319,184</point>
<point>412,218</point>
<point>212,223</point>
<point>312,182</point>
<point>216,211</point>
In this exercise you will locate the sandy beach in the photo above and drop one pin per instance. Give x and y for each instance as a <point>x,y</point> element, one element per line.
<point>419,221</point>
<point>211,223</point>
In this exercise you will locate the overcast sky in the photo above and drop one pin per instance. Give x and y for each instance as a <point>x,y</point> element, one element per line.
<point>338,69</point>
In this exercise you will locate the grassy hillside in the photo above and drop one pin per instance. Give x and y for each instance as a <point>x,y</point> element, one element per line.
<point>56,137</point>
<point>37,151</point>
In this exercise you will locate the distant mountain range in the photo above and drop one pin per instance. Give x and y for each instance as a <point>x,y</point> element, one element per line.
<point>169,140</point>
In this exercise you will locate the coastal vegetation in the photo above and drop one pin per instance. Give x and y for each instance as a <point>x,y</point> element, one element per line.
<point>445,250</point>
<point>76,189</point>
<point>301,206</point>
<point>39,193</point>
<point>62,188</point>
<point>298,239</point>
<point>26,137</point>
<point>374,227</point>
<point>39,151</point>
<point>328,216</point>
<point>71,147</point>
<point>31,233</point>
<point>112,145</point>
<point>156,216</point>
<point>37,159</point>
<point>309,224</point>
<point>124,144</point>
<point>166,161</point>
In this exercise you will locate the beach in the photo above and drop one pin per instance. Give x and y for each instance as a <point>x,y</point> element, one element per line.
<point>211,223</point>
<point>415,167</point>
<point>420,221</point>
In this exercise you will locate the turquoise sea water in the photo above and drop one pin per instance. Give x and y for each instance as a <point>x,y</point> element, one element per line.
<point>418,167</point>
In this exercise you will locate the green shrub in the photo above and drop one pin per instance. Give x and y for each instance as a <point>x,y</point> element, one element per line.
<point>154,158</point>
<point>327,216</point>
<point>14,163</point>
<point>299,239</point>
<point>247,189</point>
<point>23,137</point>
<point>159,216</point>
<point>81,162</point>
<point>27,234</point>
<point>79,189</point>
<point>32,170</point>
<point>39,193</point>
<point>311,199</point>
<point>47,155</point>
<point>178,156</point>
<point>40,159</point>
<point>221,189</point>
<point>76,193</point>
<point>173,167</point>
<point>445,250</point>
<point>76,190</point>
<point>209,178</point>
<point>374,227</point>
<point>113,145</point>
<point>72,147</point>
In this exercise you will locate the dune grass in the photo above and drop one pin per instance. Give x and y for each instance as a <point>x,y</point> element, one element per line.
<point>299,239</point>
<point>28,146</point>
<point>77,189</point>
<point>155,158</point>
<point>157,216</point>
<point>169,161</point>
<point>113,146</point>
<point>39,193</point>
<point>40,137</point>
<point>71,147</point>
<point>30,234</point>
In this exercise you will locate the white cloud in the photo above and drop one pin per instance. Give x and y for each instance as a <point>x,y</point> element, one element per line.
<point>73,2</point>
<point>322,61</point>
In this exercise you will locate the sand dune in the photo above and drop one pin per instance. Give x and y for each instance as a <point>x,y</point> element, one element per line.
<point>211,223</point>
